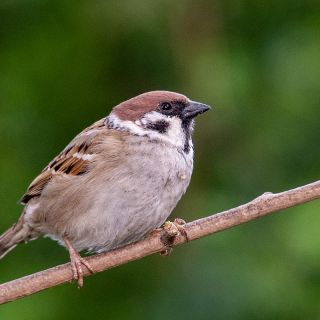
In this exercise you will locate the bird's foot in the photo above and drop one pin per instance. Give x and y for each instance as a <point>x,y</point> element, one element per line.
<point>171,231</point>
<point>77,263</point>
<point>77,270</point>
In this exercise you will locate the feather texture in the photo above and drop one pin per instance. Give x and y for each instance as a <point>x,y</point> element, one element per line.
<point>72,161</point>
<point>115,181</point>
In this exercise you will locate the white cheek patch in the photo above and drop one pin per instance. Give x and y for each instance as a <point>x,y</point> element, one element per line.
<point>124,125</point>
<point>151,117</point>
<point>175,131</point>
<point>173,135</point>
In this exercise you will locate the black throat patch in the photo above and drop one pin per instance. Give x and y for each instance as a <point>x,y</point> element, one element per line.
<point>187,129</point>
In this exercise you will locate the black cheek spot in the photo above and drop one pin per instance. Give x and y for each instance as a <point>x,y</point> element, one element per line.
<point>161,126</point>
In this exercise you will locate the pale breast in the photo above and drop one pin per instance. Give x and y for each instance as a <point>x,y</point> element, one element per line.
<point>124,201</point>
<point>136,197</point>
<point>140,196</point>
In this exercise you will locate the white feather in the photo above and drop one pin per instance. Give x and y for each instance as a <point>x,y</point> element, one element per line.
<point>173,136</point>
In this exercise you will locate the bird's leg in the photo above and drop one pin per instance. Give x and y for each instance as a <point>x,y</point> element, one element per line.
<point>76,262</point>
<point>171,230</point>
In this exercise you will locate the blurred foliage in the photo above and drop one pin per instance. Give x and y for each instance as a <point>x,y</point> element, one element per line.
<point>65,63</point>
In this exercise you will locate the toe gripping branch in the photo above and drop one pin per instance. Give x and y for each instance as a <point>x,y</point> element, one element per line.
<point>77,263</point>
<point>170,231</point>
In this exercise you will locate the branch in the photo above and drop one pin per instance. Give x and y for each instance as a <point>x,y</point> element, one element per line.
<point>261,206</point>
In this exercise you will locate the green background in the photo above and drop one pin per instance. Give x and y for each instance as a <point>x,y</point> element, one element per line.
<point>64,64</point>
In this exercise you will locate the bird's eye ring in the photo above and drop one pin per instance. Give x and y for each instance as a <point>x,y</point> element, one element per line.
<point>166,106</point>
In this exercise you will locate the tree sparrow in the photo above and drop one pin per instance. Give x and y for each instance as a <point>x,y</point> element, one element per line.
<point>115,182</point>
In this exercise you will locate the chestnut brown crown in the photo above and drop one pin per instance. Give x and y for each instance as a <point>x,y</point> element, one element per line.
<point>136,107</point>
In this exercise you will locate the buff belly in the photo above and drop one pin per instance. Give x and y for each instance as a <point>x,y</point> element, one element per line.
<point>125,205</point>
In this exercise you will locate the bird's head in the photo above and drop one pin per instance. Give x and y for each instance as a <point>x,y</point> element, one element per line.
<point>161,115</point>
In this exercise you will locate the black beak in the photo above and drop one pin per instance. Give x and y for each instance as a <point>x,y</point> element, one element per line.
<point>193,109</point>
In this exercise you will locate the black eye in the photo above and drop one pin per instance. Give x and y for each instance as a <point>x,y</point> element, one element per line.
<point>166,106</point>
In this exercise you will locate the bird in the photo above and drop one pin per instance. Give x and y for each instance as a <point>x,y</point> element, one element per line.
<point>115,182</point>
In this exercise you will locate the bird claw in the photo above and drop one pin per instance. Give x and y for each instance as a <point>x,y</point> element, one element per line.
<point>77,263</point>
<point>179,223</point>
<point>166,252</point>
<point>171,231</point>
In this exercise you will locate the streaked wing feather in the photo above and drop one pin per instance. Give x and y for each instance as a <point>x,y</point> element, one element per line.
<point>72,161</point>
<point>37,186</point>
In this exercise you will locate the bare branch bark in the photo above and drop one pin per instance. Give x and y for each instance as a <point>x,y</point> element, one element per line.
<point>263,205</point>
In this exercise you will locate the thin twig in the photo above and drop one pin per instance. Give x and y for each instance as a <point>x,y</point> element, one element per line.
<point>263,205</point>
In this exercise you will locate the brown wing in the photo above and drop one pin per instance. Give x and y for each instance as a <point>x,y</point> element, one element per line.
<point>72,161</point>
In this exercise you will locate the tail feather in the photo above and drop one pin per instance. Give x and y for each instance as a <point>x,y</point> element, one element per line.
<point>9,239</point>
